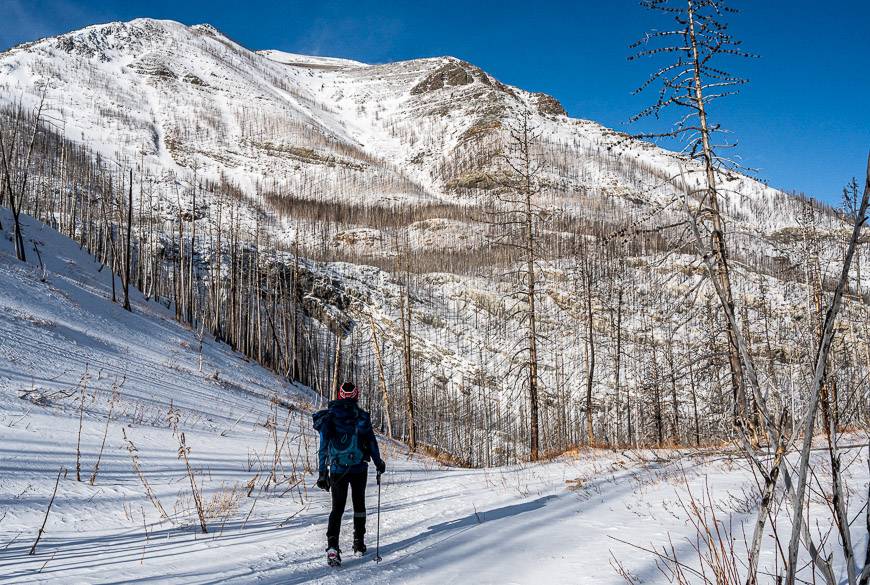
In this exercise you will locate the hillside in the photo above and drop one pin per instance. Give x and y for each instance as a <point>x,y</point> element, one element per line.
<point>343,195</point>
<point>60,333</point>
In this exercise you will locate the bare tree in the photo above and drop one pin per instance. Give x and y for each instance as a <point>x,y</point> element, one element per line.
<point>518,217</point>
<point>128,244</point>
<point>690,81</point>
<point>819,378</point>
<point>405,322</point>
<point>16,196</point>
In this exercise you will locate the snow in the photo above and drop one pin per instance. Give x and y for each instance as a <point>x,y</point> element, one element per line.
<point>279,121</point>
<point>556,522</point>
<point>309,60</point>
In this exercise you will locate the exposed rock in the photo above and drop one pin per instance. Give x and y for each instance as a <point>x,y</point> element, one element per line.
<point>451,74</point>
<point>362,237</point>
<point>102,42</point>
<point>309,155</point>
<point>153,68</point>
<point>548,105</point>
<point>481,127</point>
<point>194,80</point>
<point>505,88</point>
<point>206,29</point>
<point>477,180</point>
<point>324,297</point>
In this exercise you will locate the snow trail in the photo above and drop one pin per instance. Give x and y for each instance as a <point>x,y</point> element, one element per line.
<point>555,522</point>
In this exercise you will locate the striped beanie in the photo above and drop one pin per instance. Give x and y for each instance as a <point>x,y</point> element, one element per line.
<point>348,390</point>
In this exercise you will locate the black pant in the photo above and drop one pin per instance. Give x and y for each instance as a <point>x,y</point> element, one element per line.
<point>339,486</point>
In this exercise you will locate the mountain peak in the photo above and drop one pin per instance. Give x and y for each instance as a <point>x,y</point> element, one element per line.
<point>106,41</point>
<point>206,28</point>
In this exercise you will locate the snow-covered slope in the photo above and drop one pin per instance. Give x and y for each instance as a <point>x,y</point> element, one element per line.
<point>559,522</point>
<point>311,61</point>
<point>187,101</point>
<point>53,331</point>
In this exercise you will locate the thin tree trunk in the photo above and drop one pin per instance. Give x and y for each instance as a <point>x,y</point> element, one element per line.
<point>382,379</point>
<point>409,374</point>
<point>717,235</point>
<point>336,367</point>
<point>127,249</point>
<point>590,372</point>
<point>818,381</point>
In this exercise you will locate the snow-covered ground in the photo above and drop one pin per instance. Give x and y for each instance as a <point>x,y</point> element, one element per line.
<point>559,522</point>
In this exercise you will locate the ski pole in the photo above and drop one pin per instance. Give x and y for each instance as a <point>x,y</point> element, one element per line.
<point>378,541</point>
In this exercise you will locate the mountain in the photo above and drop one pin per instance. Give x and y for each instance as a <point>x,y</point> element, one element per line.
<point>386,179</point>
<point>188,99</point>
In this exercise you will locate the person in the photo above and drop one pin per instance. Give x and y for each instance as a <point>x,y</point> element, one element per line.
<point>347,443</point>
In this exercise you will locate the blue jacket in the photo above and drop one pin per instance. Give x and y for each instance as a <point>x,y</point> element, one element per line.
<point>344,415</point>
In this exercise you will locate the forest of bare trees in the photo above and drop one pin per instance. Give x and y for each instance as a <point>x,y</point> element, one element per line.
<point>564,317</point>
<point>776,435</point>
<point>633,345</point>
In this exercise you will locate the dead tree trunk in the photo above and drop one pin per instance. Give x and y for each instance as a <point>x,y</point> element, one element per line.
<point>818,381</point>
<point>409,374</point>
<point>382,379</point>
<point>127,254</point>
<point>16,202</point>
<point>590,344</point>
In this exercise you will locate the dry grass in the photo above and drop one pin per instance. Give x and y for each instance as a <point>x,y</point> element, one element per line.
<point>443,457</point>
<point>225,502</point>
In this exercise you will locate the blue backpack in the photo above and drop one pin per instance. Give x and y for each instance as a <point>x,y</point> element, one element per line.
<point>341,427</point>
<point>344,449</point>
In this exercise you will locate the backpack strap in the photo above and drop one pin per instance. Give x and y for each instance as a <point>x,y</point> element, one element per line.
<point>321,420</point>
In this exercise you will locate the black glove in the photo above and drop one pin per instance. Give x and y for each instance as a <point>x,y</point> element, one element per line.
<point>323,480</point>
<point>380,465</point>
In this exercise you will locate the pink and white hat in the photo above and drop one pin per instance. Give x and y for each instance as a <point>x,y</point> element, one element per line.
<point>348,390</point>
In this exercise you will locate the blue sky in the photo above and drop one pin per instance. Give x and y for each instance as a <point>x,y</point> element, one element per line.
<point>803,122</point>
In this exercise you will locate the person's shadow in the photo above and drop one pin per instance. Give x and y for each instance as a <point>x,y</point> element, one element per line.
<point>460,525</point>
<point>450,529</point>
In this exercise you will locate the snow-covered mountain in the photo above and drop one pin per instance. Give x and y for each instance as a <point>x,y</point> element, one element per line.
<point>188,100</point>
<point>377,169</point>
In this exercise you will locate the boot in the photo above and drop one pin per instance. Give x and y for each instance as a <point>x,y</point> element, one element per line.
<point>333,553</point>
<point>359,547</point>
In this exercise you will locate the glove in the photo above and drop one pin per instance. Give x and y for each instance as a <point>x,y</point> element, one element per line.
<point>380,465</point>
<point>323,480</point>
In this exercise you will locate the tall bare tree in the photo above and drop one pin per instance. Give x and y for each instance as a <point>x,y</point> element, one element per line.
<point>518,217</point>
<point>17,190</point>
<point>819,378</point>
<point>690,79</point>
<point>403,259</point>
<point>128,245</point>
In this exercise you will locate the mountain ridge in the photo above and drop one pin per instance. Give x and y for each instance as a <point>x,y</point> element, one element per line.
<point>366,186</point>
<point>153,49</point>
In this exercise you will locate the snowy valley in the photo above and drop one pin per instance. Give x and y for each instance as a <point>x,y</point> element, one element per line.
<point>280,223</point>
<point>572,520</point>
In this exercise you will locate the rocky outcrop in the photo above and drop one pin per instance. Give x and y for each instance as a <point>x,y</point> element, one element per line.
<point>101,42</point>
<point>154,68</point>
<point>194,80</point>
<point>548,105</point>
<point>454,73</point>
